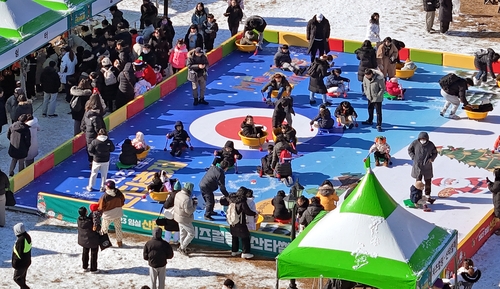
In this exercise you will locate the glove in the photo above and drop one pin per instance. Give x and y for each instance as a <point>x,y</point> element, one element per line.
<point>169,136</point>
<point>311,122</point>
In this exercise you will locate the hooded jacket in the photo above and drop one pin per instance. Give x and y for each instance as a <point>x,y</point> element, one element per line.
<point>316,83</point>
<point>310,213</point>
<point>240,230</point>
<point>278,147</point>
<point>25,107</point>
<point>50,81</point>
<point>422,155</point>
<point>21,254</point>
<point>184,207</point>
<point>178,56</point>
<point>178,135</point>
<point>324,118</point>
<point>280,211</point>
<point>128,156</point>
<point>157,251</point>
<point>87,237</point>
<point>101,149</point>
<point>92,122</point>
<point>374,88</point>
<point>230,155</point>
<point>214,179</point>
<point>34,129</point>
<point>328,197</point>
<point>83,96</point>
<point>111,203</point>
<point>367,59</point>
<point>415,194</point>
<point>20,140</point>
<point>126,82</point>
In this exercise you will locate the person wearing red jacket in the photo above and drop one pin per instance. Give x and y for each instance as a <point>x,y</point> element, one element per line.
<point>147,70</point>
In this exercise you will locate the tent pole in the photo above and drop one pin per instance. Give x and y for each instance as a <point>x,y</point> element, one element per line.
<point>321,282</point>
<point>277,278</point>
<point>292,284</point>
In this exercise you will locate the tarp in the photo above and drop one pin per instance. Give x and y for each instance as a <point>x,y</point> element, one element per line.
<point>369,239</point>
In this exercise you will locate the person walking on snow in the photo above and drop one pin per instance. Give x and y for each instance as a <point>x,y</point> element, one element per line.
<point>157,251</point>
<point>430,7</point>
<point>423,152</point>
<point>21,255</point>
<point>88,238</point>
<point>317,33</point>
<point>110,204</point>
<point>184,207</point>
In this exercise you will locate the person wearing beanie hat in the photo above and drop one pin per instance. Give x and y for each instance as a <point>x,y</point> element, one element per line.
<point>317,33</point>
<point>157,251</point>
<point>96,215</point>
<point>110,204</point>
<point>327,195</point>
<point>184,207</point>
<point>21,255</point>
<point>88,238</point>
<point>228,284</point>
<point>197,64</point>
<point>137,47</point>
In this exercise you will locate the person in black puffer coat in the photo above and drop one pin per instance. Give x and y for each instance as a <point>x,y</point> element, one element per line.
<point>81,94</point>
<point>24,106</point>
<point>249,129</point>
<point>179,138</point>
<point>3,112</point>
<point>128,156</point>
<point>89,62</point>
<point>88,239</point>
<point>317,34</point>
<point>367,57</point>
<point>228,153</point>
<point>302,205</point>
<point>483,61</point>
<point>157,251</point>
<point>240,230</point>
<point>280,211</point>
<point>92,120</point>
<point>126,82</point>
<point>311,212</point>
<point>494,188</point>
<point>316,83</point>
<point>19,136</point>
<point>100,149</point>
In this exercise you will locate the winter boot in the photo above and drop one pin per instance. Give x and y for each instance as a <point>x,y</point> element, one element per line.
<point>120,244</point>
<point>430,200</point>
<point>377,163</point>
<point>195,101</point>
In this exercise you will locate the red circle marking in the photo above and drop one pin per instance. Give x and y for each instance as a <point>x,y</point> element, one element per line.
<point>229,128</point>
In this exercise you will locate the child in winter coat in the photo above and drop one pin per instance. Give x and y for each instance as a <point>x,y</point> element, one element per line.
<point>289,133</point>
<point>141,86</point>
<point>178,56</point>
<point>251,220</point>
<point>394,88</point>
<point>138,142</point>
<point>409,65</point>
<point>248,38</point>
<point>265,163</point>
<point>280,211</point>
<point>327,196</point>
<point>417,196</point>
<point>335,82</point>
<point>381,151</point>
<point>323,119</point>
<point>128,156</point>
<point>210,29</point>
<point>157,183</point>
<point>346,115</point>
<point>227,153</point>
<point>278,82</point>
<point>180,138</point>
<point>249,129</point>
<point>96,215</point>
<point>159,75</point>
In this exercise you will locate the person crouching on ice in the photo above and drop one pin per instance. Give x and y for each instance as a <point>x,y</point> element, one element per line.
<point>346,115</point>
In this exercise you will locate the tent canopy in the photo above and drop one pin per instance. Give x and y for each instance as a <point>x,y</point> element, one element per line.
<point>370,239</point>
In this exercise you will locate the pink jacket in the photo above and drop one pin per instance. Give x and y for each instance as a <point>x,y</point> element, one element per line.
<point>393,88</point>
<point>178,56</point>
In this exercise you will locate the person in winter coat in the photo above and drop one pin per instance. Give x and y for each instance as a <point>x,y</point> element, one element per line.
<point>100,149</point>
<point>234,14</point>
<point>178,56</point>
<point>316,83</point>
<point>494,188</point>
<point>50,82</point>
<point>147,55</point>
<point>184,207</point>
<point>311,212</point>
<point>430,7</point>
<point>89,63</point>
<point>367,59</point>
<point>302,205</point>
<point>197,64</point>
<point>193,38</point>
<point>21,255</point>
<point>265,167</point>
<point>12,103</point>
<point>258,24</point>
<point>213,179</point>
<point>336,83</point>
<point>179,138</point>
<point>283,60</point>
<point>128,156</point>
<point>394,88</point>
<point>374,88</point>
<point>160,48</point>
<point>240,230</point>
<point>137,47</point>
<point>317,34</point>
<point>454,92</point>
<point>126,83</point>
<point>282,108</point>
<point>117,15</point>
<point>423,152</point>
<point>210,29</point>
<point>417,197</point>
<point>107,82</point>
<point>281,145</point>
<point>148,30</point>
<point>172,227</point>
<point>324,118</point>
<point>92,121</point>
<point>124,51</point>
<point>327,196</point>
<point>289,133</point>
<point>387,57</point>
<point>249,129</point>
<point>88,238</point>
<point>24,106</point>
<point>381,151</point>
<point>280,211</point>
<point>4,187</point>
<point>483,61</point>
<point>148,11</point>
<point>19,136</point>
<point>278,82</point>
<point>80,95</point>
<point>167,26</point>
<point>373,31</point>
<point>228,153</point>
<point>199,16</point>
<point>346,115</point>
<point>68,70</point>
<point>445,15</point>
<point>32,122</point>
<point>157,251</point>
<point>3,112</point>
<point>251,220</point>
<point>110,204</point>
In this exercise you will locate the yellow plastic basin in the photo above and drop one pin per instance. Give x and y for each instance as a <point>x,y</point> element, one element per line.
<point>253,142</point>
<point>476,115</point>
<point>144,154</point>
<point>245,48</point>
<point>159,196</point>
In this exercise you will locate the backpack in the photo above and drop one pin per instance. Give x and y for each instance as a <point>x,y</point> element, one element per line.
<point>232,215</point>
<point>447,80</point>
<point>109,76</point>
<point>75,104</point>
<point>285,156</point>
<point>480,52</point>
<point>312,71</point>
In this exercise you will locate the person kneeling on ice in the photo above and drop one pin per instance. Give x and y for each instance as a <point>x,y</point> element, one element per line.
<point>180,138</point>
<point>409,65</point>
<point>494,188</point>
<point>324,119</point>
<point>282,158</point>
<point>394,88</point>
<point>278,82</point>
<point>346,115</point>
<point>228,153</point>
<point>381,151</point>
<point>249,129</point>
<point>417,197</point>
<point>335,83</point>
<point>265,167</point>
<point>283,60</point>
<point>328,196</point>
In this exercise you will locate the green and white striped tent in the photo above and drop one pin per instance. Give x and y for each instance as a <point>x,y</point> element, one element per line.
<point>372,240</point>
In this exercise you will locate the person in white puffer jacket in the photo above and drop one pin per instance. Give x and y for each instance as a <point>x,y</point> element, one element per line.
<point>33,150</point>
<point>373,31</point>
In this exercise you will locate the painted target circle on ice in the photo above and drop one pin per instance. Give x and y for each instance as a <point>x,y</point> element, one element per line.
<point>218,127</point>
